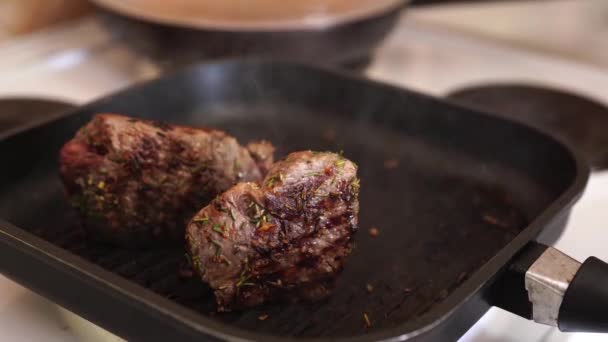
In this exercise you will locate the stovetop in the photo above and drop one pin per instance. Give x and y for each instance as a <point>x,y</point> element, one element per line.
<point>81,61</point>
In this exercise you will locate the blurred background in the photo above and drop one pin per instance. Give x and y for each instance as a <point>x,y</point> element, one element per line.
<point>573,29</point>
<point>543,62</point>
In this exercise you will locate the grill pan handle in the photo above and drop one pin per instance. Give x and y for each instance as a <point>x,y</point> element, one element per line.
<point>549,287</point>
<point>585,304</point>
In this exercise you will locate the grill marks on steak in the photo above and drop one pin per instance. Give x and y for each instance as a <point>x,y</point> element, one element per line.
<point>138,182</point>
<point>285,238</point>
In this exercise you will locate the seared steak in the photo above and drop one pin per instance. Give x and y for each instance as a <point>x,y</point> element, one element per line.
<point>284,238</point>
<point>137,182</point>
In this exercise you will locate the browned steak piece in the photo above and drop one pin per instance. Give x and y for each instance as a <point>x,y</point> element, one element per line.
<point>139,182</point>
<point>285,238</point>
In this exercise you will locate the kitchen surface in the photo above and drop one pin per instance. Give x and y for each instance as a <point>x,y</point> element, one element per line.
<point>434,49</point>
<point>572,29</point>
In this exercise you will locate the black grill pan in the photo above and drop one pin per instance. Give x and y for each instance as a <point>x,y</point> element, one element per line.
<point>455,196</point>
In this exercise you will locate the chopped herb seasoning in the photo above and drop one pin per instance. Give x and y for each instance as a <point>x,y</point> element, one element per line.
<point>202,220</point>
<point>340,162</point>
<point>322,194</point>
<point>255,220</point>
<point>196,262</point>
<point>218,248</point>
<point>366,320</point>
<point>355,185</point>
<point>244,276</point>
<point>278,177</point>
<point>225,260</point>
<point>218,229</point>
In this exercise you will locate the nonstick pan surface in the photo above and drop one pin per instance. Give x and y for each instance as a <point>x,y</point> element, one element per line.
<point>454,195</point>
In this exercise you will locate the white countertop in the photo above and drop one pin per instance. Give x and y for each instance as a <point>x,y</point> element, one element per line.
<point>573,29</point>
<point>25,316</point>
<point>80,63</point>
